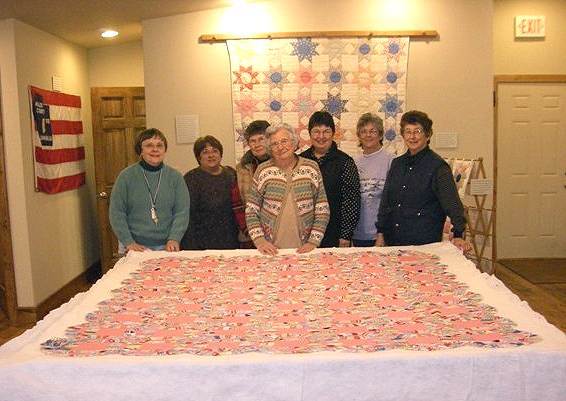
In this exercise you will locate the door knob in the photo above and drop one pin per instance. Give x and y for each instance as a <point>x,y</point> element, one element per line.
<point>102,195</point>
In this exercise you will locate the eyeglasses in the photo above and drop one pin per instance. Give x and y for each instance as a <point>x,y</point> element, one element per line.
<point>256,140</point>
<point>368,132</point>
<point>415,132</point>
<point>210,151</point>
<point>325,132</point>
<point>158,146</point>
<point>283,142</point>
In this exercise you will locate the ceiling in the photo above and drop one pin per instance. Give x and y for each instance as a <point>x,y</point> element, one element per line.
<point>81,21</point>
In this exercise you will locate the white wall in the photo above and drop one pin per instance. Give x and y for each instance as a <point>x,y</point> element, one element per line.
<point>55,236</point>
<point>529,56</point>
<point>449,78</point>
<point>120,65</point>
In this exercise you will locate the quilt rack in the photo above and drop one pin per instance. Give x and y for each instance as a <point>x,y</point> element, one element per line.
<point>481,218</point>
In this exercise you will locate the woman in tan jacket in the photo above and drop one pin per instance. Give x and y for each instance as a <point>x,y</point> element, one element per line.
<point>257,154</point>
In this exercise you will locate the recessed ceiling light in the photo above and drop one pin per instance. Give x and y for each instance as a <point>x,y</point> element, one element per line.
<point>109,33</point>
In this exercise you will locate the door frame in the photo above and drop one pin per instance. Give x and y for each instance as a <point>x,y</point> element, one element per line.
<point>6,240</point>
<point>506,79</point>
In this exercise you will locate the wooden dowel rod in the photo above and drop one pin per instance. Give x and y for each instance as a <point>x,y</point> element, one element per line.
<point>422,34</point>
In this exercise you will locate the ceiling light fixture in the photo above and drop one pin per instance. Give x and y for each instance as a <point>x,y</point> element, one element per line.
<point>109,33</point>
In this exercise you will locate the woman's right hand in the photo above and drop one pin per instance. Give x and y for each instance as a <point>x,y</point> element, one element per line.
<point>134,246</point>
<point>379,240</point>
<point>265,247</point>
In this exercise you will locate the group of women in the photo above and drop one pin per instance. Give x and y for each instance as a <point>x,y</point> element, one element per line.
<point>276,198</point>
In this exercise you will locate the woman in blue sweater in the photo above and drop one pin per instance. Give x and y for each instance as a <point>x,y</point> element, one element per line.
<point>149,204</point>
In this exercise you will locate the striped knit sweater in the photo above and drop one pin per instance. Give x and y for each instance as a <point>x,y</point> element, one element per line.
<point>269,191</point>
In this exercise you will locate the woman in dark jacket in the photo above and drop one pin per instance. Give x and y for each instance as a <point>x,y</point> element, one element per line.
<point>341,180</point>
<point>419,192</point>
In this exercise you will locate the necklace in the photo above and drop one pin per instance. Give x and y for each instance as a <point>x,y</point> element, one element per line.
<point>153,198</point>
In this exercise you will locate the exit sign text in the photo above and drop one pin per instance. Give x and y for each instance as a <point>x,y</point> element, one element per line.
<point>530,26</point>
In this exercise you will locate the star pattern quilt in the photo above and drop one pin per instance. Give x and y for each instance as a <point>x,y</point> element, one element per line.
<point>286,80</point>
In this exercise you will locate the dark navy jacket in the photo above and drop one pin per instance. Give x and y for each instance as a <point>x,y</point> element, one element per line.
<point>415,201</point>
<point>342,185</point>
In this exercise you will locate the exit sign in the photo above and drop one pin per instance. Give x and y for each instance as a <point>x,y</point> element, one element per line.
<point>530,26</point>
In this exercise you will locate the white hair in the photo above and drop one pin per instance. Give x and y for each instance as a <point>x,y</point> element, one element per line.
<point>271,130</point>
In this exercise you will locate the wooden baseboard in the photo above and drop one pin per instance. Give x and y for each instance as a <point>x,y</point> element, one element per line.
<point>79,284</point>
<point>26,315</point>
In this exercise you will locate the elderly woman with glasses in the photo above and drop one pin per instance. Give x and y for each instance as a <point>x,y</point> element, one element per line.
<point>149,205</point>
<point>373,165</point>
<point>419,192</point>
<point>286,206</point>
<point>245,169</point>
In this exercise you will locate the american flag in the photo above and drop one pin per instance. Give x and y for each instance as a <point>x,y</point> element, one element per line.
<point>58,140</point>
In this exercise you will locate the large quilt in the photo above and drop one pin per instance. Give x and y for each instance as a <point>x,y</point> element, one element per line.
<point>356,302</point>
<point>286,80</point>
<point>413,323</point>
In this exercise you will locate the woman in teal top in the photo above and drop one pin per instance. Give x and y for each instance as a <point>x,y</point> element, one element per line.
<point>149,205</point>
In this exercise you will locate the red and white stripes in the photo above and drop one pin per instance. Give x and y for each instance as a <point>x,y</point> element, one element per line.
<point>59,166</point>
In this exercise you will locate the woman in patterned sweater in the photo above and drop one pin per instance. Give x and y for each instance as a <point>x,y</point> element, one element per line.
<point>287,206</point>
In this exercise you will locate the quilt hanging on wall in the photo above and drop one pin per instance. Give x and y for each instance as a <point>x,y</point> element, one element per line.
<point>286,80</point>
<point>57,129</point>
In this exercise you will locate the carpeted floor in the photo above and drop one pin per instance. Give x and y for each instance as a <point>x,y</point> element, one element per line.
<point>540,282</point>
<point>538,271</point>
<point>557,290</point>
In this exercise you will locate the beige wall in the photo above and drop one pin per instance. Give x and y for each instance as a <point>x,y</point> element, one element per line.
<point>55,236</point>
<point>450,78</point>
<point>120,65</point>
<point>14,160</point>
<point>530,56</point>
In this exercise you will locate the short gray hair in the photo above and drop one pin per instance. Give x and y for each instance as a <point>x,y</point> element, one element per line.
<point>370,118</point>
<point>272,129</point>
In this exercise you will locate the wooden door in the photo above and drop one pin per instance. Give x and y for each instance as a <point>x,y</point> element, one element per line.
<point>531,170</point>
<point>118,115</point>
<point>8,303</point>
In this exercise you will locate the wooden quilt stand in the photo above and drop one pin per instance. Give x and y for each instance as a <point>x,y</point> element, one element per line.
<point>481,220</point>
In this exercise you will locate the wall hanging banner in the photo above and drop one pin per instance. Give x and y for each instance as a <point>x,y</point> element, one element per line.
<point>286,80</point>
<point>58,141</point>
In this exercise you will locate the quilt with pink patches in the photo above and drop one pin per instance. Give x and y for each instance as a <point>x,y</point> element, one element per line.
<point>363,301</point>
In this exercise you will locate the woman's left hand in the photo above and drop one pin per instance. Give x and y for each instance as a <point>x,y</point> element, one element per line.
<point>305,248</point>
<point>172,246</point>
<point>462,244</point>
<point>344,243</point>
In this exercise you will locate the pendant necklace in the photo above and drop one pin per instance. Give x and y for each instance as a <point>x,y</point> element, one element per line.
<point>152,198</point>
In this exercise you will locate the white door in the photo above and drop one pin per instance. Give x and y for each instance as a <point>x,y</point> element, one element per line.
<point>531,170</point>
